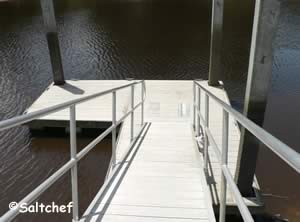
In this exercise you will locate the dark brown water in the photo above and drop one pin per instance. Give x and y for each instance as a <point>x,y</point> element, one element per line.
<point>142,39</point>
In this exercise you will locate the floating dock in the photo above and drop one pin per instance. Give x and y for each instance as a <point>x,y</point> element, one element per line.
<point>96,113</point>
<point>162,178</point>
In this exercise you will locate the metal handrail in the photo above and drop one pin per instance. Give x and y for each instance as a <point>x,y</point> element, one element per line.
<point>75,157</point>
<point>286,153</point>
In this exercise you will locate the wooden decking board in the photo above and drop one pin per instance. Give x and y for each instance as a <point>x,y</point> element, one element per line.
<point>144,211</point>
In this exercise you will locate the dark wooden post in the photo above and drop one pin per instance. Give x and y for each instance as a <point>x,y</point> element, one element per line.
<point>215,64</point>
<point>53,42</point>
<point>259,77</point>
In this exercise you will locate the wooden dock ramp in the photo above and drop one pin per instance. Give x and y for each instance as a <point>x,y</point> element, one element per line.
<point>159,181</point>
<point>162,178</point>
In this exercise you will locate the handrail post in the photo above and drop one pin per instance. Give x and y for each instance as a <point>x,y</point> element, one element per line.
<point>194,105</point>
<point>132,114</point>
<point>114,131</point>
<point>198,112</point>
<point>142,106</point>
<point>222,215</point>
<point>74,173</point>
<point>206,137</point>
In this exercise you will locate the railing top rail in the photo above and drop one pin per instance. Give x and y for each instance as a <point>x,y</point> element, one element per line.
<point>25,118</point>
<point>290,156</point>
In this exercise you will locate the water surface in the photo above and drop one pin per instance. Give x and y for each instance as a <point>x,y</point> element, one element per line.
<point>144,40</point>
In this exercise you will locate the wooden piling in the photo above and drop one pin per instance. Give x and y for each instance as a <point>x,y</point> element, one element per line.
<point>259,77</point>
<point>53,41</point>
<point>215,64</point>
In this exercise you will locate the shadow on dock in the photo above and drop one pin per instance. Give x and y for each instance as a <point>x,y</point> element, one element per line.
<point>117,177</point>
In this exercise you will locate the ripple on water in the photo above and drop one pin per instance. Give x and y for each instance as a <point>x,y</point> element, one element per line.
<point>145,40</point>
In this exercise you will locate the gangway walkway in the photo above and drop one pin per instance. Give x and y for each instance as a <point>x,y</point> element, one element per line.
<point>162,179</point>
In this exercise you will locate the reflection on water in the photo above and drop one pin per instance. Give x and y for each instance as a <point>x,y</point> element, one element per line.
<point>146,39</point>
